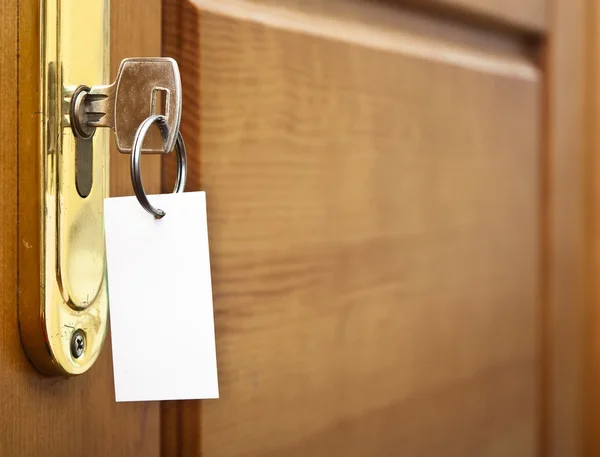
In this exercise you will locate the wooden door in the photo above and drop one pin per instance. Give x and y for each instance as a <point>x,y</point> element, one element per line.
<point>396,225</point>
<point>397,213</point>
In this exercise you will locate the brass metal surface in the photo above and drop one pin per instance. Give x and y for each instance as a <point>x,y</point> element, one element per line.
<point>74,50</point>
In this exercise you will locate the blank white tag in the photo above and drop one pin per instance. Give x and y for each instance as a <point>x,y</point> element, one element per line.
<point>159,288</point>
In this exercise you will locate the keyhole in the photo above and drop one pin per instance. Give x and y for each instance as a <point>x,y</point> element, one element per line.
<point>84,165</point>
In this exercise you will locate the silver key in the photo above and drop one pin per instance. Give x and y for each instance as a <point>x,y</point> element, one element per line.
<point>144,86</point>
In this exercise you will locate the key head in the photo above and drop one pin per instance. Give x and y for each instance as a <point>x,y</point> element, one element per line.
<point>147,86</point>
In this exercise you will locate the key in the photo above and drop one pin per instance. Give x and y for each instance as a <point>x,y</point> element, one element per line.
<point>144,86</point>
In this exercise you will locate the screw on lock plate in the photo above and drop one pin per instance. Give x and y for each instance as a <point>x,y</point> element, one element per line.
<point>77,344</point>
<point>145,86</point>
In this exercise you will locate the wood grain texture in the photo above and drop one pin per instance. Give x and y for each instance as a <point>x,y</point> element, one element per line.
<point>135,32</point>
<point>570,17</point>
<point>180,421</point>
<point>182,42</point>
<point>374,233</point>
<point>10,344</point>
<point>373,23</point>
<point>519,15</point>
<point>48,416</point>
<point>528,15</point>
<point>564,231</point>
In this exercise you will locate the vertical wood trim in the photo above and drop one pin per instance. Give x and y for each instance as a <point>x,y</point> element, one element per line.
<point>181,420</point>
<point>181,40</point>
<point>30,194</point>
<point>9,344</point>
<point>563,222</point>
<point>592,113</point>
<point>180,428</point>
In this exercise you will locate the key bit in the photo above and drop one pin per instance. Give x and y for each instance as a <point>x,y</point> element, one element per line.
<point>144,86</point>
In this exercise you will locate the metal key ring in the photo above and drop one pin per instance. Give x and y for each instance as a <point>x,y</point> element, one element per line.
<point>136,152</point>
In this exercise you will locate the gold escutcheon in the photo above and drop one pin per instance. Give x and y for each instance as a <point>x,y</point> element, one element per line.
<point>63,302</point>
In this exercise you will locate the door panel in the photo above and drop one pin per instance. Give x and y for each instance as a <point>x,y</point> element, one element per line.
<point>373,209</point>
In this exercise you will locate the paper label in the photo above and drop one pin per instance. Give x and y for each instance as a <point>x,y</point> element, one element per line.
<point>160,296</point>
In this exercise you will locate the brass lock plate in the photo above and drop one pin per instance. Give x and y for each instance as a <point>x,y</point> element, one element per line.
<point>63,302</point>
